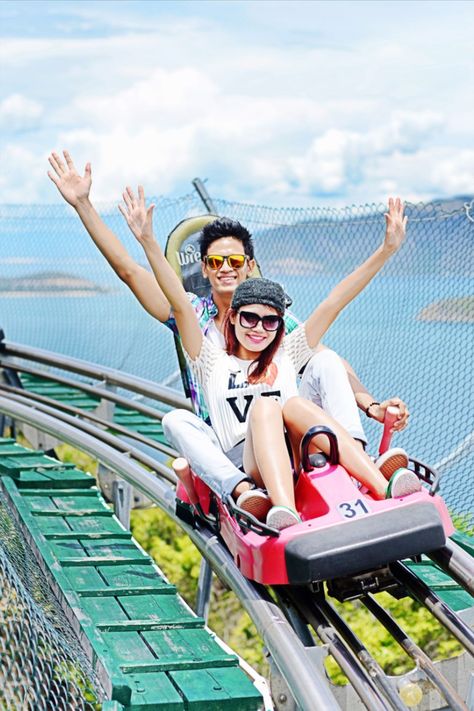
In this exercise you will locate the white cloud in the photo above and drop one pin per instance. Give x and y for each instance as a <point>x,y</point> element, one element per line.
<point>18,112</point>
<point>338,160</point>
<point>22,175</point>
<point>330,118</point>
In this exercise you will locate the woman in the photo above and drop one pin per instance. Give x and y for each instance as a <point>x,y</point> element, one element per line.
<point>250,388</point>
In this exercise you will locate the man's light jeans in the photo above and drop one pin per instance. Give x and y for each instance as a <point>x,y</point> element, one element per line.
<point>197,442</point>
<point>326,383</point>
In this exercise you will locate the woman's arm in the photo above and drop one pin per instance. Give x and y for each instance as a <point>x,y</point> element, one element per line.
<point>140,221</point>
<point>324,314</point>
<point>75,189</point>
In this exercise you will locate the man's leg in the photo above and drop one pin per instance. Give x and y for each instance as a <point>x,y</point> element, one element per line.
<point>197,442</point>
<point>325,382</point>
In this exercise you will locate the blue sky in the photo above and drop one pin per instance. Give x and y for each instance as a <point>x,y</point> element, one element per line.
<point>282,103</point>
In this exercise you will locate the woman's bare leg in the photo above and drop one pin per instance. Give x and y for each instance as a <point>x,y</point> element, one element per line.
<point>300,414</point>
<point>266,454</point>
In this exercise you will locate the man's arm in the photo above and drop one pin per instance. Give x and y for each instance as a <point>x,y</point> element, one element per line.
<point>370,406</point>
<point>75,189</point>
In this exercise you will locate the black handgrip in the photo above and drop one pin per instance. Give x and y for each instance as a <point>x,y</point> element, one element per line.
<point>333,456</point>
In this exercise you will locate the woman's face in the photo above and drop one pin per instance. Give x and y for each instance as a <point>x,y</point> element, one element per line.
<point>251,333</point>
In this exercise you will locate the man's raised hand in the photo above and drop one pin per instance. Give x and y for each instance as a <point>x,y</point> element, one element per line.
<point>72,186</point>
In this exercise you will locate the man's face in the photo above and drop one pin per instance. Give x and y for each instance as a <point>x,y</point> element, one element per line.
<point>226,279</point>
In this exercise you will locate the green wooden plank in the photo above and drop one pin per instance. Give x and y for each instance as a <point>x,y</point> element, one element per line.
<point>173,663</point>
<point>466,542</point>
<point>77,535</point>
<point>13,464</point>
<point>216,689</point>
<point>115,548</point>
<point>66,505</point>
<point>55,492</point>
<point>132,417</point>
<point>72,550</point>
<point>10,447</point>
<point>146,427</point>
<point>99,561</point>
<point>78,502</point>
<point>67,513</point>
<point>112,706</point>
<point>150,625</point>
<point>159,587</point>
<point>128,648</point>
<point>123,576</point>
<point>84,578</point>
<point>103,608</point>
<point>447,588</point>
<point>38,503</point>
<point>154,692</point>
<point>53,479</point>
<point>51,525</point>
<point>157,606</point>
<point>91,524</point>
<point>179,648</point>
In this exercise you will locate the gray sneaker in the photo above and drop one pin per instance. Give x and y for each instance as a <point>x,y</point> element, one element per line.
<point>402,483</point>
<point>281,517</point>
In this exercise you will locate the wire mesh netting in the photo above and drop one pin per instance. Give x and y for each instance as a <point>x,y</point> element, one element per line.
<point>410,333</point>
<point>42,666</point>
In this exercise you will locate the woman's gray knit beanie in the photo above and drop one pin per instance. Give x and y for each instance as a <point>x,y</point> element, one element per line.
<point>260,291</point>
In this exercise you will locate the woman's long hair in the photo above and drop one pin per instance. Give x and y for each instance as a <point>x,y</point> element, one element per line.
<point>258,367</point>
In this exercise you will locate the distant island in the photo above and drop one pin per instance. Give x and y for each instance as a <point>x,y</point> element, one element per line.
<point>49,284</point>
<point>456,310</point>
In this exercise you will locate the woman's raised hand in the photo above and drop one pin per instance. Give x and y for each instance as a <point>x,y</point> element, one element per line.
<point>72,186</point>
<point>396,225</point>
<point>138,217</point>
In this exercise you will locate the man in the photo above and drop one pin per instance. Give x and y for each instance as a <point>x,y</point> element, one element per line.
<point>327,380</point>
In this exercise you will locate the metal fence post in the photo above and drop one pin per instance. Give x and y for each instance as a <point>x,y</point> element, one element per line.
<point>122,500</point>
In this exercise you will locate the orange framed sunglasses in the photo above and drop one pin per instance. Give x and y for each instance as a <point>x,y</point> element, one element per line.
<point>215,261</point>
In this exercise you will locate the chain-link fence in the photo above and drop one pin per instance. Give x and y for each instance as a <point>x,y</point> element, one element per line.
<point>42,666</point>
<point>410,333</point>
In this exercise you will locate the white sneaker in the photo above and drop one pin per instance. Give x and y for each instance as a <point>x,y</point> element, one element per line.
<point>402,483</point>
<point>281,517</point>
<point>391,460</point>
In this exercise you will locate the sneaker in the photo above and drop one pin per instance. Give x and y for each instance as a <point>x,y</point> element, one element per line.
<point>402,483</point>
<point>255,502</point>
<point>391,460</point>
<point>281,517</point>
